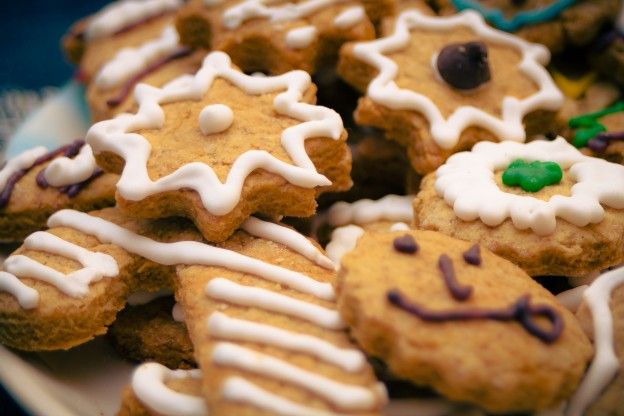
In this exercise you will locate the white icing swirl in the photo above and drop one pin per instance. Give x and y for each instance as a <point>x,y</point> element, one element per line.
<point>605,364</point>
<point>341,395</point>
<point>445,132</point>
<point>229,291</point>
<point>350,17</point>
<point>301,37</point>
<point>466,182</point>
<point>121,14</point>
<point>148,384</point>
<point>130,61</point>
<point>218,198</point>
<point>64,171</point>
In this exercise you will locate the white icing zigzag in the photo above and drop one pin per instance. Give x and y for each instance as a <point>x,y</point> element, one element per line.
<point>234,16</point>
<point>605,364</point>
<point>24,160</point>
<point>365,211</point>
<point>122,14</point>
<point>446,132</point>
<point>218,198</point>
<point>466,182</point>
<point>64,171</point>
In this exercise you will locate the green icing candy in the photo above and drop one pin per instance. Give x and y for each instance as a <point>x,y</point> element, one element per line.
<point>532,176</point>
<point>588,125</point>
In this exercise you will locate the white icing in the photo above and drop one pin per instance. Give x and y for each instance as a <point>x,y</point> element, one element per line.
<point>572,298</point>
<point>605,364</point>
<point>287,237</point>
<point>148,384</point>
<point>215,118</point>
<point>64,171</point>
<point>142,298</point>
<point>350,17</point>
<point>75,284</point>
<point>233,329</point>
<point>218,198</point>
<point>238,389</point>
<point>301,37</point>
<point>229,291</point>
<point>188,252</point>
<point>234,16</point>
<point>446,132</point>
<point>343,240</point>
<point>122,14</point>
<point>178,314</point>
<point>466,182</point>
<point>27,297</point>
<point>366,211</point>
<point>399,226</point>
<point>24,160</point>
<point>130,61</point>
<point>342,395</point>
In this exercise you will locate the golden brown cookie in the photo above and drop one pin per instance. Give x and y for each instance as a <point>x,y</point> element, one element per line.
<point>64,286</point>
<point>447,314</point>
<point>570,228</point>
<point>602,317</point>
<point>438,85</point>
<point>271,339</point>
<point>277,38</point>
<point>27,198</point>
<point>558,24</point>
<point>221,145</point>
<point>148,332</point>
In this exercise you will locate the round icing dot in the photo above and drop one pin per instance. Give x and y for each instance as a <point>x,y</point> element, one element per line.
<point>532,176</point>
<point>301,37</point>
<point>464,65</point>
<point>215,118</point>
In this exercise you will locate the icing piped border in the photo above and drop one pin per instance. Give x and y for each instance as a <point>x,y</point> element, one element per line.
<point>117,136</point>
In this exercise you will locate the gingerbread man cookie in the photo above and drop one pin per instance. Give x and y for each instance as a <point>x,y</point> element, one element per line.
<point>543,205</point>
<point>221,145</point>
<point>438,85</point>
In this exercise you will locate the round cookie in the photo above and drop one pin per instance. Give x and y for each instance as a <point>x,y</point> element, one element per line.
<point>498,364</point>
<point>572,228</point>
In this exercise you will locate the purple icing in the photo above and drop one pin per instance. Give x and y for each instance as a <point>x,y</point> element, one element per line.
<point>521,311</point>
<point>473,255</point>
<point>132,81</point>
<point>405,244</point>
<point>458,291</point>
<point>602,140</point>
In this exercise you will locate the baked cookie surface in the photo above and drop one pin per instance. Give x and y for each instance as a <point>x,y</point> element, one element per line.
<point>439,312</point>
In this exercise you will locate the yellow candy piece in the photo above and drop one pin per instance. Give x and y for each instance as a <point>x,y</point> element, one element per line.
<point>574,87</point>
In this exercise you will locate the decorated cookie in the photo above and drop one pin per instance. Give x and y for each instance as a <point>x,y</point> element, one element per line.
<point>221,145</point>
<point>608,56</point>
<point>96,40</point>
<point>452,315</point>
<point>602,316</point>
<point>438,85</point>
<point>277,37</point>
<point>555,23</point>
<point>149,332</point>
<point>38,182</point>
<point>571,226</point>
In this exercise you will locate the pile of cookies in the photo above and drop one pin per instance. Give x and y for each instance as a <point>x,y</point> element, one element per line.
<point>318,207</point>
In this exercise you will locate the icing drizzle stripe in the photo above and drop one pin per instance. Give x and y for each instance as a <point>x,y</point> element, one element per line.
<point>605,364</point>
<point>229,291</point>
<point>233,329</point>
<point>234,16</point>
<point>288,237</point>
<point>148,383</point>
<point>366,211</point>
<point>339,394</point>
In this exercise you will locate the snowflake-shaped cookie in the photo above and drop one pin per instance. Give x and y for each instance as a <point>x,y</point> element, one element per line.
<point>467,183</point>
<point>446,130</point>
<point>152,142</point>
